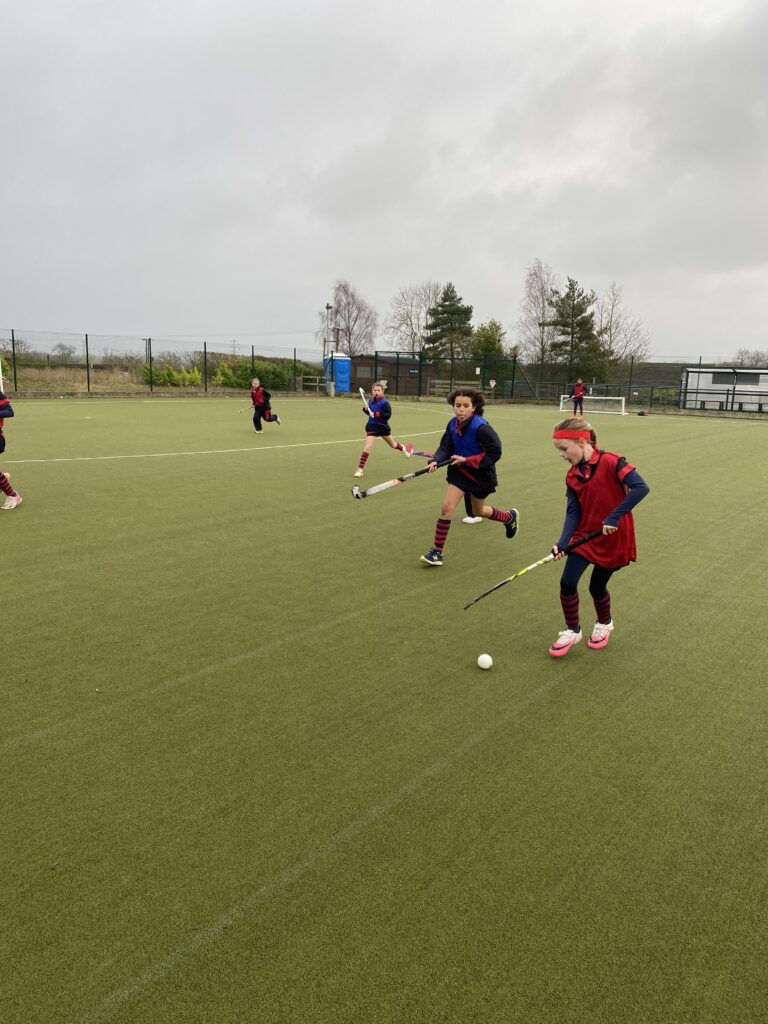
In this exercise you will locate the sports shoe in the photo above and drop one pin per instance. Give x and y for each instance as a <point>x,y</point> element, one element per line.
<point>514,522</point>
<point>433,557</point>
<point>11,501</point>
<point>565,642</point>
<point>277,420</point>
<point>407,450</point>
<point>472,519</point>
<point>358,473</point>
<point>601,634</point>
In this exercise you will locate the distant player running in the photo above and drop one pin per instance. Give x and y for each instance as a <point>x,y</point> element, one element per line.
<point>12,498</point>
<point>262,410</point>
<point>379,411</point>
<point>474,448</point>
<point>603,488</point>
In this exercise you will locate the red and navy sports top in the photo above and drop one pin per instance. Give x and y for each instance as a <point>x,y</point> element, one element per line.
<point>260,396</point>
<point>603,491</point>
<point>6,410</point>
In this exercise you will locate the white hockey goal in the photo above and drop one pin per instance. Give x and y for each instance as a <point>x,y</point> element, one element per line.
<point>596,403</point>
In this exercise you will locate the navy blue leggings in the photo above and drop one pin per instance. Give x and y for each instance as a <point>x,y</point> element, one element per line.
<point>575,567</point>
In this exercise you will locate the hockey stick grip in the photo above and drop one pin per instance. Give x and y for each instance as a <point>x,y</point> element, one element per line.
<point>577,543</point>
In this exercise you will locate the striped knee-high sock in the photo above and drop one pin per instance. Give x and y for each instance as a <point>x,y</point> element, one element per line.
<point>603,607</point>
<point>5,485</point>
<point>500,516</point>
<point>441,532</point>
<point>570,603</point>
<point>363,459</point>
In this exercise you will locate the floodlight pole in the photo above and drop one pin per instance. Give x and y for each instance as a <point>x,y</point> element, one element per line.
<point>328,308</point>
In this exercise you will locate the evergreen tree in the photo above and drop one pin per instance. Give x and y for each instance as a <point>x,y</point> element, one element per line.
<point>488,339</point>
<point>573,318</point>
<point>449,326</point>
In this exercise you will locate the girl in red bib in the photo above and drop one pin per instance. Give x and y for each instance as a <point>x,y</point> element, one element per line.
<point>262,410</point>
<point>602,490</point>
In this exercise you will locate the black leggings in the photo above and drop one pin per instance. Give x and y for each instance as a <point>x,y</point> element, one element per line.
<point>261,412</point>
<point>578,407</point>
<point>575,567</point>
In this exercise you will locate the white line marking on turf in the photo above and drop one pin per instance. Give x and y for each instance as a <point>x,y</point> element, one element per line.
<point>273,887</point>
<point>212,451</point>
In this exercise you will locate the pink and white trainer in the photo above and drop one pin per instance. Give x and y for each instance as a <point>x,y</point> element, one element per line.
<point>601,634</point>
<point>565,642</point>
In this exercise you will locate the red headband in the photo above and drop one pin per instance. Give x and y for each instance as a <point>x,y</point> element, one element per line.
<point>573,434</point>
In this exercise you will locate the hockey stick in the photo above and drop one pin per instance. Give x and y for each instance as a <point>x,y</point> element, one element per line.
<point>548,558</point>
<point>357,493</point>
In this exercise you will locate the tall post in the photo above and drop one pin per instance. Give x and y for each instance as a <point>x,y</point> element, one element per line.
<point>514,370</point>
<point>397,373</point>
<point>295,375</point>
<point>151,373</point>
<point>375,364</point>
<point>629,386</point>
<point>87,367</point>
<point>205,367</point>
<point>421,372</point>
<point>253,362</point>
<point>13,359</point>
<point>328,308</point>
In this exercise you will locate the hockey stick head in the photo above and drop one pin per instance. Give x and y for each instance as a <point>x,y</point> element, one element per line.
<point>357,493</point>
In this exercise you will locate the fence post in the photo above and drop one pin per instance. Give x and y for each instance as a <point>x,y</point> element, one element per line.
<point>253,363</point>
<point>205,367</point>
<point>151,371</point>
<point>397,374</point>
<point>295,384</point>
<point>375,365</point>
<point>421,372</point>
<point>514,370</point>
<point>87,367</point>
<point>13,359</point>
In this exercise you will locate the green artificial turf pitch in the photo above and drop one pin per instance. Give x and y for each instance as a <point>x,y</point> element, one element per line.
<point>251,771</point>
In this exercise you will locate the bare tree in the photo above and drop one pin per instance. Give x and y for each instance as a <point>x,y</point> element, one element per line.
<point>64,353</point>
<point>622,336</point>
<point>751,357</point>
<point>353,323</point>
<point>407,318</point>
<point>535,333</point>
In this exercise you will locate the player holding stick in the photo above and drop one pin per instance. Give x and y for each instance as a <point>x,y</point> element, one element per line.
<point>603,488</point>
<point>262,410</point>
<point>378,411</point>
<point>474,448</point>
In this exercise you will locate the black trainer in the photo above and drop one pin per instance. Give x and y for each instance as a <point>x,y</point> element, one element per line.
<point>514,522</point>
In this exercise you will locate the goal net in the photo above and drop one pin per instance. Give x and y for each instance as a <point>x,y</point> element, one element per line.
<point>596,403</point>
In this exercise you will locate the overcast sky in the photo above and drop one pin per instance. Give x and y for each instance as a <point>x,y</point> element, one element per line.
<point>212,167</point>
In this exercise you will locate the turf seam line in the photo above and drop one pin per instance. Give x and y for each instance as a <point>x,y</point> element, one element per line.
<point>270,889</point>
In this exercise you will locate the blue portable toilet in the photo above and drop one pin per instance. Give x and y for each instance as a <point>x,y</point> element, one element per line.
<point>337,371</point>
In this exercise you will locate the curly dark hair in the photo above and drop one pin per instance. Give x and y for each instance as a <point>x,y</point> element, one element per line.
<point>476,397</point>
